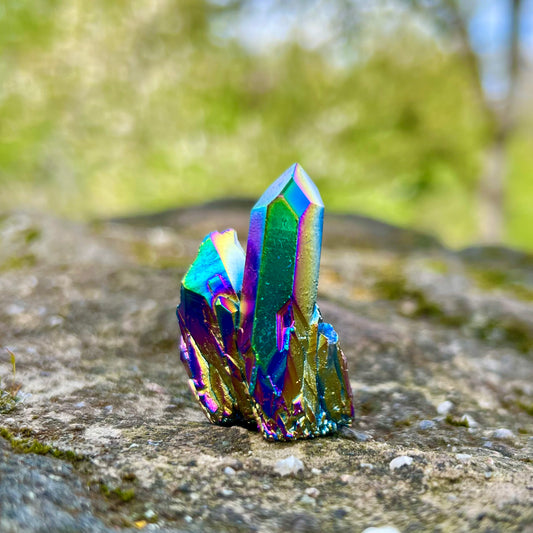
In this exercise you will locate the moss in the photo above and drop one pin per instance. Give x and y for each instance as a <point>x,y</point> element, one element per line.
<point>527,407</point>
<point>491,280</point>
<point>27,444</point>
<point>393,288</point>
<point>515,333</point>
<point>403,422</point>
<point>124,495</point>
<point>67,455</point>
<point>31,235</point>
<point>17,262</point>
<point>520,336</point>
<point>7,402</point>
<point>129,476</point>
<point>454,421</point>
<point>437,265</point>
<point>396,288</point>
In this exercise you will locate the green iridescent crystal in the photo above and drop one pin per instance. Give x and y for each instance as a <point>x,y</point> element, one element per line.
<point>253,340</point>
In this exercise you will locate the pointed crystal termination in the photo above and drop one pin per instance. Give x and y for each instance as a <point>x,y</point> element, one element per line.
<point>253,340</point>
<point>282,258</point>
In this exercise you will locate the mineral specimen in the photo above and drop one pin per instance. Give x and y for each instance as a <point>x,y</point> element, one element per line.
<point>253,341</point>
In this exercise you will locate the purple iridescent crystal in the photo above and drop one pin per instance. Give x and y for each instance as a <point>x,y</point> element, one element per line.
<point>253,341</point>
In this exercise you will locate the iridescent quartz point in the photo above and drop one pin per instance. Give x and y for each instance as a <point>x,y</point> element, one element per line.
<point>253,341</point>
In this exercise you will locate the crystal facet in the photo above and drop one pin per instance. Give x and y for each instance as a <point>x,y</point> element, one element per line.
<point>253,341</point>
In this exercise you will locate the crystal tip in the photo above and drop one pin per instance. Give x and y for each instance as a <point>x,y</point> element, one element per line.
<point>295,177</point>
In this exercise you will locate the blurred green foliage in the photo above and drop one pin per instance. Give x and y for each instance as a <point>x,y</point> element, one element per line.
<point>111,107</point>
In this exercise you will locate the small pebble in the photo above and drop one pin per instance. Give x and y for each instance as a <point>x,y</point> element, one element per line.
<point>307,500</point>
<point>503,434</point>
<point>54,321</point>
<point>225,492</point>
<point>381,529</point>
<point>445,407</point>
<point>370,466</point>
<point>426,424</point>
<point>463,457</point>
<point>229,471</point>
<point>487,444</point>
<point>312,492</point>
<point>398,462</point>
<point>316,471</point>
<point>289,465</point>
<point>149,514</point>
<point>488,475</point>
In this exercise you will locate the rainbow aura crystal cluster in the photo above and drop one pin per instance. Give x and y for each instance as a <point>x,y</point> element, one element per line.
<point>253,341</point>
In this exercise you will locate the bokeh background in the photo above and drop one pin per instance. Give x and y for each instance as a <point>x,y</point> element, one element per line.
<point>417,112</point>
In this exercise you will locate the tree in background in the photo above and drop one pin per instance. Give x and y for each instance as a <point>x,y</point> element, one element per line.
<point>490,51</point>
<point>112,107</point>
<point>455,18</point>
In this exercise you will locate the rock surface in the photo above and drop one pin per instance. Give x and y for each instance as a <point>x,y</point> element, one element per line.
<point>99,431</point>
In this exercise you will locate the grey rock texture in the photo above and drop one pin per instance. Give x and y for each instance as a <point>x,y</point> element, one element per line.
<point>99,431</point>
<point>39,493</point>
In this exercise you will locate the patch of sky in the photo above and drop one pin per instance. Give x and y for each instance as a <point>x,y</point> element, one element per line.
<point>490,35</point>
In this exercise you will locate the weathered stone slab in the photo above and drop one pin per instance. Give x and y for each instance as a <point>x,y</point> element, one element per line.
<point>88,312</point>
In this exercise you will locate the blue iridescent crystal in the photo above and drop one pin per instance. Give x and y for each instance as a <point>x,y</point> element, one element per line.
<point>253,341</point>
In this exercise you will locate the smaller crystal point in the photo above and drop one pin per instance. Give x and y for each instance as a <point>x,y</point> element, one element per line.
<point>253,339</point>
<point>207,316</point>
